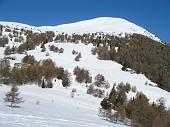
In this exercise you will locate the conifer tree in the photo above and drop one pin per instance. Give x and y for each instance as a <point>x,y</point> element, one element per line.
<point>66,80</point>
<point>13,96</point>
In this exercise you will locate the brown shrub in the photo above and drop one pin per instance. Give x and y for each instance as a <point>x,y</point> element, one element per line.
<point>82,75</point>
<point>94,51</point>
<point>29,59</point>
<point>3,41</point>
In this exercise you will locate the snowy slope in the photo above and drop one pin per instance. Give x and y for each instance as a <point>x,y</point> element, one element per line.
<point>55,109</point>
<point>109,69</point>
<point>107,25</point>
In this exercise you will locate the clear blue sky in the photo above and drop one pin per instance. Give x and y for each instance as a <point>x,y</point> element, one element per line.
<point>153,15</point>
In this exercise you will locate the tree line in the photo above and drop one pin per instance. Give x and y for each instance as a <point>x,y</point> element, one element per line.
<point>32,71</point>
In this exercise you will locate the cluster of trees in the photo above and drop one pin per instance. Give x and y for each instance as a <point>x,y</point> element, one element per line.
<point>101,82</point>
<point>62,38</point>
<point>19,39</point>
<point>141,54</point>
<point>117,96</point>
<point>134,51</point>
<point>9,50</point>
<point>31,71</point>
<point>4,68</point>
<point>82,75</point>
<point>56,49</point>
<point>78,55</point>
<point>137,52</point>
<point>14,34</point>
<point>105,54</point>
<point>29,59</point>
<point>35,39</point>
<point>96,92</point>
<point>138,110</point>
<point>53,48</point>
<point>97,88</point>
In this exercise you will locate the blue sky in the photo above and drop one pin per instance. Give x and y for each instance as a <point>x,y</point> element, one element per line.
<point>153,15</point>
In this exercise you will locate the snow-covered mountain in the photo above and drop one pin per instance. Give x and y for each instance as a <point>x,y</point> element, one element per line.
<point>107,25</point>
<point>53,107</point>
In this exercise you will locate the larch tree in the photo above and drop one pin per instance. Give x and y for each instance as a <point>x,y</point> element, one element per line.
<point>13,96</point>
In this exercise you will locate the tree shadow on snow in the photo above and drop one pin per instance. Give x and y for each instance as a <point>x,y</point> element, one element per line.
<point>13,106</point>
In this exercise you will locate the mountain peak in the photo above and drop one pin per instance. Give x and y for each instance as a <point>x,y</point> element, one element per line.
<point>107,25</point>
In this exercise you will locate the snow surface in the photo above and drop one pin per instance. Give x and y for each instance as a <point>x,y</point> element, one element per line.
<point>107,25</point>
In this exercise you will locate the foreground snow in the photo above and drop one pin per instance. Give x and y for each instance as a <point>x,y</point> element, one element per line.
<point>56,109</point>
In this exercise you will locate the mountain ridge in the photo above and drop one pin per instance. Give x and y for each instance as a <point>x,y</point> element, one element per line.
<point>108,25</point>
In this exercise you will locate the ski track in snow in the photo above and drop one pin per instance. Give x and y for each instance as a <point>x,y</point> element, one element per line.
<point>42,121</point>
